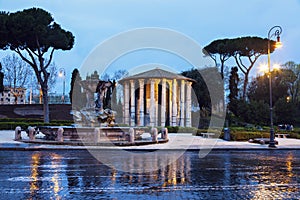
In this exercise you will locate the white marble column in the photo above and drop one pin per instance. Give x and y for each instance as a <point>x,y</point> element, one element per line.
<point>156,86</point>
<point>163,103</point>
<point>182,102</point>
<point>170,101</point>
<point>141,103</point>
<point>188,122</point>
<point>126,103</point>
<point>152,102</point>
<point>174,103</point>
<point>132,103</point>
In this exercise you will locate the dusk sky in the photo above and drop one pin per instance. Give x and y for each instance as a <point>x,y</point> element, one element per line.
<point>94,21</point>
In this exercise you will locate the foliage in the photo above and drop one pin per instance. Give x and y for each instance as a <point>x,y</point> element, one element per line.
<point>218,47</point>
<point>249,47</point>
<point>32,33</point>
<point>177,129</point>
<point>11,124</point>
<point>286,112</point>
<point>252,112</point>
<point>294,135</point>
<point>119,74</point>
<point>233,89</point>
<point>293,80</point>
<point>1,78</point>
<point>205,78</point>
<point>200,97</point>
<point>246,135</point>
<point>77,98</point>
<point>259,87</point>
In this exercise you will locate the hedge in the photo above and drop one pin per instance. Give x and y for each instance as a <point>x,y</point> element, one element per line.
<point>25,125</point>
<point>177,129</point>
<point>33,120</point>
<point>246,135</point>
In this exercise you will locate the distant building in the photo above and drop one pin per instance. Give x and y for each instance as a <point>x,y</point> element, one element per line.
<point>13,95</point>
<point>53,98</point>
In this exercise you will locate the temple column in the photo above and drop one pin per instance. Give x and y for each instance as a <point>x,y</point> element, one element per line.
<point>132,103</point>
<point>152,102</point>
<point>126,103</point>
<point>141,102</point>
<point>174,103</point>
<point>170,102</point>
<point>182,99</point>
<point>156,90</point>
<point>188,117</point>
<point>163,103</point>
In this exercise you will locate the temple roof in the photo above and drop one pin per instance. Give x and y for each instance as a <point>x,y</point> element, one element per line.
<point>157,73</point>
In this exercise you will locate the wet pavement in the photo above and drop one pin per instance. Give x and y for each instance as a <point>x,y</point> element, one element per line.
<point>187,167</point>
<point>184,141</point>
<point>64,174</point>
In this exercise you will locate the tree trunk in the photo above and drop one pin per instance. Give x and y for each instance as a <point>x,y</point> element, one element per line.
<point>245,85</point>
<point>46,104</point>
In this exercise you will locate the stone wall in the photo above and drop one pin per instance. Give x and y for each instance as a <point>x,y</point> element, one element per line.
<point>57,111</point>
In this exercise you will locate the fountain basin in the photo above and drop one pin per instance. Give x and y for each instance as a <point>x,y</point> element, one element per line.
<point>84,133</point>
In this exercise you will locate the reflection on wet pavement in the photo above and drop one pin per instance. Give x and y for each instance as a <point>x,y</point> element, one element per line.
<point>220,175</point>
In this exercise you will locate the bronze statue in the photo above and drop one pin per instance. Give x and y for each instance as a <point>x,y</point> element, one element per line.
<point>101,91</point>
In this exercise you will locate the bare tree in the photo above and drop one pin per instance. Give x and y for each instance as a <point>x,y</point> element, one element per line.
<point>17,72</point>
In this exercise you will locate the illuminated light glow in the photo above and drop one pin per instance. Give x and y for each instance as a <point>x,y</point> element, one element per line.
<point>278,45</point>
<point>276,67</point>
<point>264,68</point>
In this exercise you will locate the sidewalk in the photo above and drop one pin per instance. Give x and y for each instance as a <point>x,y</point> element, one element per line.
<point>176,142</point>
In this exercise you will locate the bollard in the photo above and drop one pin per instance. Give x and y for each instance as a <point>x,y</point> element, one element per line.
<point>131,135</point>
<point>31,133</point>
<point>60,137</point>
<point>164,133</point>
<point>154,135</point>
<point>97,135</point>
<point>18,133</point>
<point>226,134</point>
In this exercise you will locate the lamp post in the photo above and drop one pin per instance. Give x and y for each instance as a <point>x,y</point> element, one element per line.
<point>276,32</point>
<point>62,74</point>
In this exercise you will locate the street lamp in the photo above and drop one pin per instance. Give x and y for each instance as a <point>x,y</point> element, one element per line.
<point>276,32</point>
<point>62,74</point>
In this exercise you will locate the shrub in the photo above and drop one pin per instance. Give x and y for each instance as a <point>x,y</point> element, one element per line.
<point>177,129</point>
<point>294,135</point>
<point>246,135</point>
<point>11,125</point>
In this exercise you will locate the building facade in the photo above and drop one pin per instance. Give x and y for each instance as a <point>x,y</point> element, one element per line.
<point>13,95</point>
<point>157,98</point>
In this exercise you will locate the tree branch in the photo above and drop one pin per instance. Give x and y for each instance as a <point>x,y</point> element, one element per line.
<point>50,58</point>
<point>238,64</point>
<point>240,59</point>
<point>31,56</point>
<point>17,50</point>
<point>33,65</point>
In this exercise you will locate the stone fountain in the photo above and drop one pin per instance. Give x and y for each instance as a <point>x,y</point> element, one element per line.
<point>95,122</point>
<point>94,114</point>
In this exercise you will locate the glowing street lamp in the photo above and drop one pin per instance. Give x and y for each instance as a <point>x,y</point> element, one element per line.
<point>62,74</point>
<point>277,32</point>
